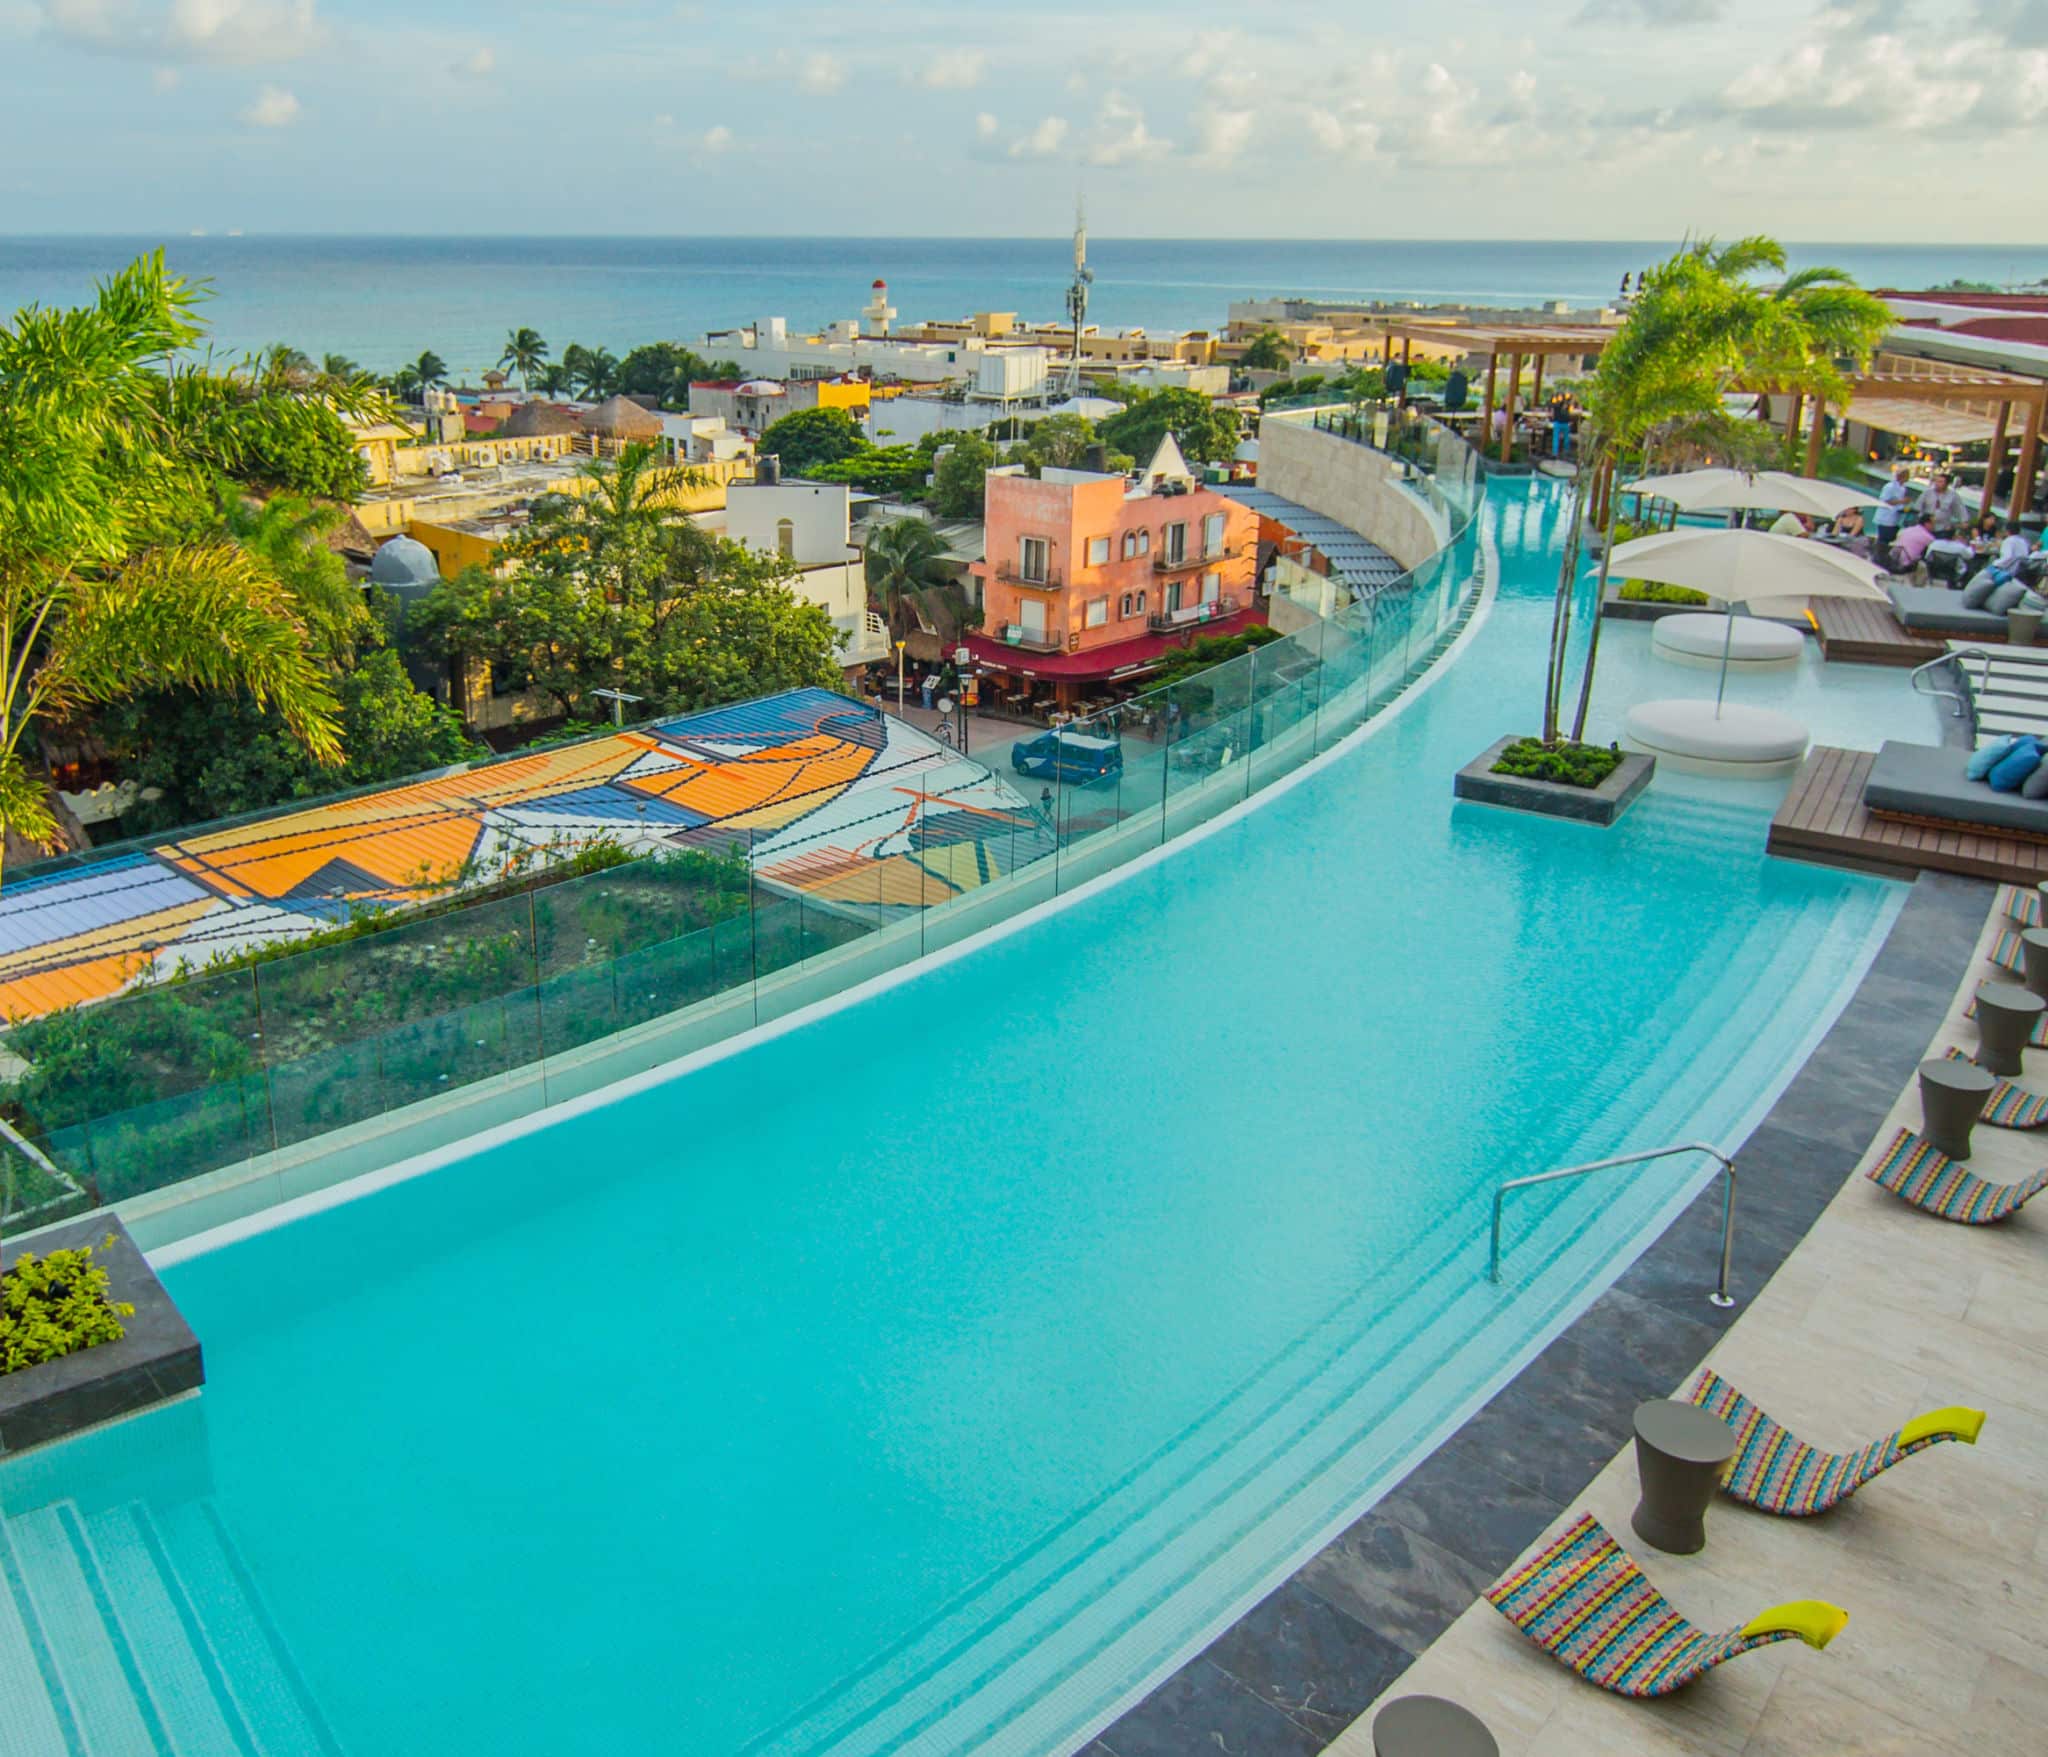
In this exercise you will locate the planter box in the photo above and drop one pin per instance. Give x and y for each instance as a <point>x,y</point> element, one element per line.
<point>158,1359</point>
<point>1640,610</point>
<point>1586,805</point>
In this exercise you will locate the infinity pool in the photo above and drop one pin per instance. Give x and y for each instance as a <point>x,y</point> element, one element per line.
<point>927,1377</point>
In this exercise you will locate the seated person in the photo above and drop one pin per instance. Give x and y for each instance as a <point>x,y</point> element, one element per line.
<point>1791,524</point>
<point>1948,560</point>
<point>1911,548</point>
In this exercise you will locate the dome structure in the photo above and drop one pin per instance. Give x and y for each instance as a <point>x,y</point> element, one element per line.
<point>537,421</point>
<point>761,387</point>
<point>401,562</point>
<point>1247,452</point>
<point>622,418</point>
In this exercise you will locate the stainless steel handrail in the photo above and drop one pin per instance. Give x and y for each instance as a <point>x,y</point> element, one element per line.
<point>1720,1296</point>
<point>1962,702</point>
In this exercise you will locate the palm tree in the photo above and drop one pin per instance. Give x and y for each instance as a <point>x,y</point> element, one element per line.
<point>905,559</point>
<point>405,384</point>
<point>430,369</point>
<point>1700,325</point>
<point>552,381</point>
<point>524,353</point>
<point>596,372</point>
<point>108,586</point>
<point>286,361</point>
<point>340,366</point>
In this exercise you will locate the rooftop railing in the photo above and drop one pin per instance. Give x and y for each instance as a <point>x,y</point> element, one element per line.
<point>206,1097</point>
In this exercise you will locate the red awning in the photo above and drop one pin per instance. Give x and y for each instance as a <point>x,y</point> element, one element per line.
<point>1096,663</point>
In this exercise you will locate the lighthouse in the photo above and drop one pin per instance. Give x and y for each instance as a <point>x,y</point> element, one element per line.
<point>877,312</point>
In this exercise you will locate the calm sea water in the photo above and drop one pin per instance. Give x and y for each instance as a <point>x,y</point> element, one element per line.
<point>382,300</point>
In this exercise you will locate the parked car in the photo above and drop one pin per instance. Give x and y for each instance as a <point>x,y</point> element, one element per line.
<point>1073,757</point>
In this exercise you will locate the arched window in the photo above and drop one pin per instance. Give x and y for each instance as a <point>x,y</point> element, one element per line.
<point>785,539</point>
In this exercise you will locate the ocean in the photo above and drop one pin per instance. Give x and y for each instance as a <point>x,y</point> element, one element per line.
<point>381,301</point>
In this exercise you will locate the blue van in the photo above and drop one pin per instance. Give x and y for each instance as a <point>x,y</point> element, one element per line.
<point>1072,757</point>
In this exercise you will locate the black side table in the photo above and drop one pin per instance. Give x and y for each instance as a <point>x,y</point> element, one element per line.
<point>2034,957</point>
<point>2006,1014</point>
<point>1680,1452</point>
<point>1428,1726</point>
<point>1952,1098</point>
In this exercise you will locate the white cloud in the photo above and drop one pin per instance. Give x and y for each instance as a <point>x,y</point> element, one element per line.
<point>234,32</point>
<point>822,73</point>
<point>1043,141</point>
<point>274,107</point>
<point>164,78</point>
<point>1121,137</point>
<point>1224,134</point>
<point>1212,51</point>
<point>478,64</point>
<point>1077,84</point>
<point>985,126</point>
<point>715,140</point>
<point>956,70</point>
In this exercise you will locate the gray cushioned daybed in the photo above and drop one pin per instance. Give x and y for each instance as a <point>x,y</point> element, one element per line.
<point>1927,781</point>
<point>1937,610</point>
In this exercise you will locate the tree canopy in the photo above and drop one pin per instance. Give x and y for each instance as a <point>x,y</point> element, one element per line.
<point>960,482</point>
<point>610,590</point>
<point>1266,352</point>
<point>806,438</point>
<point>1206,433</point>
<point>111,583</point>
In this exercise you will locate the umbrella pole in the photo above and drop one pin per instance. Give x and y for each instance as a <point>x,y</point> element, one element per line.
<point>1727,643</point>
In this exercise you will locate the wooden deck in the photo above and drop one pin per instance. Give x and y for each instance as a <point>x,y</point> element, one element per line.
<point>1864,632</point>
<point>1823,820</point>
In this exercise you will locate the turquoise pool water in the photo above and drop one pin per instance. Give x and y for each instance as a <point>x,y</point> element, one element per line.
<point>925,1377</point>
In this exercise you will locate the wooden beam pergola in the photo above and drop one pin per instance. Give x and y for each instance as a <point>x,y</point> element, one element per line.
<point>1968,408</point>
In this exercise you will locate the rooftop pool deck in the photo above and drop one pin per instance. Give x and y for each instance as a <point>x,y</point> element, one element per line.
<point>937,1373</point>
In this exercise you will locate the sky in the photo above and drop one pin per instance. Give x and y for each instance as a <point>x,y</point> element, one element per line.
<point>1920,120</point>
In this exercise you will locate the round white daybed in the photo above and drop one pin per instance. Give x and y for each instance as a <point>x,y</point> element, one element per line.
<point>1701,637</point>
<point>1756,743</point>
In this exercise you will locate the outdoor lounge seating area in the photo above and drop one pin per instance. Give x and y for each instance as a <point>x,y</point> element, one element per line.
<point>1921,783</point>
<point>1933,1571</point>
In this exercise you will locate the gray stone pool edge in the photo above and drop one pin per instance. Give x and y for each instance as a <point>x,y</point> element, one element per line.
<point>1301,1665</point>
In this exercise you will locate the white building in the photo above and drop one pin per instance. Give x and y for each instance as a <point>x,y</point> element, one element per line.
<point>810,523</point>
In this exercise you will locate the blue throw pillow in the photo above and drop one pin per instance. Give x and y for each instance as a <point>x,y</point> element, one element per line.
<point>1986,759</point>
<point>2010,772</point>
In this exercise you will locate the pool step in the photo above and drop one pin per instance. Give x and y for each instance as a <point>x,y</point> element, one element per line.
<point>133,1632</point>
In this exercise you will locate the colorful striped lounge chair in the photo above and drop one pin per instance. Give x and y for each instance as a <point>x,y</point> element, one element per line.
<point>2010,1106</point>
<point>1780,1474</point>
<point>2007,952</point>
<point>1918,1172</point>
<point>1586,1604</point>
<point>2023,904</point>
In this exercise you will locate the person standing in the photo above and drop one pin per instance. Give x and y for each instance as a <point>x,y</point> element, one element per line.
<point>1560,424</point>
<point>1891,507</point>
<point>1941,506</point>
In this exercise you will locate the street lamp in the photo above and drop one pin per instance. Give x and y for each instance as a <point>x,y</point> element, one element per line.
<point>899,676</point>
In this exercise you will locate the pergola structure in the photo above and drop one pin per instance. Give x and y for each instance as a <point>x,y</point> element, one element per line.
<point>1513,342</point>
<point>1950,405</point>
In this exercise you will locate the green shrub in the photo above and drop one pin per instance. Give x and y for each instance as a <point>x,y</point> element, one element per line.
<point>1656,592</point>
<point>56,1305</point>
<point>1572,765</point>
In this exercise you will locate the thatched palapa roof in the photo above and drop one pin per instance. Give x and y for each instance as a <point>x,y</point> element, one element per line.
<point>621,418</point>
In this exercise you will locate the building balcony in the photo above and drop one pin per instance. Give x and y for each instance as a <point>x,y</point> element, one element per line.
<point>1194,560</point>
<point>1010,574</point>
<point>1193,615</point>
<point>867,638</point>
<point>1014,635</point>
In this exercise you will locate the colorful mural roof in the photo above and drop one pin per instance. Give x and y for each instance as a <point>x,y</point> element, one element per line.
<point>827,796</point>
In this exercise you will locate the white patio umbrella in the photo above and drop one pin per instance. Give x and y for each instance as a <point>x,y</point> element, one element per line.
<point>1738,567</point>
<point>1741,491</point>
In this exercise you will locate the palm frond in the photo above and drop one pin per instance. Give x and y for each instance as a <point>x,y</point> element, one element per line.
<point>204,615</point>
